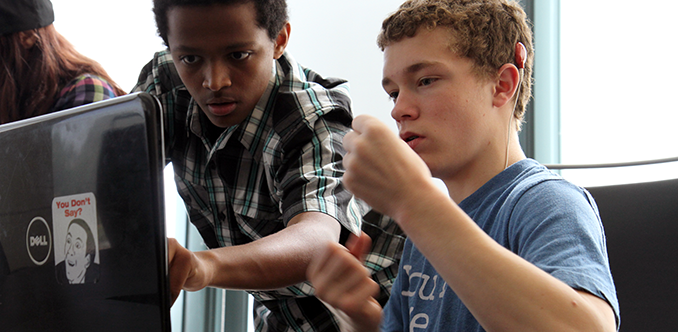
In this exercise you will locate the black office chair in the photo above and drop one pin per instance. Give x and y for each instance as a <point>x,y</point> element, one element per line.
<point>641,225</point>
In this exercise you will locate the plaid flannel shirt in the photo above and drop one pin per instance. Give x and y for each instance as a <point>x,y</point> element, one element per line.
<point>282,160</point>
<point>82,90</point>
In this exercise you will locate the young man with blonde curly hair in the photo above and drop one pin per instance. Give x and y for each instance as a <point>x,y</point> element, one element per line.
<point>512,246</point>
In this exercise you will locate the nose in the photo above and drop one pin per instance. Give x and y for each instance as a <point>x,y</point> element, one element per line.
<point>405,108</point>
<point>216,76</point>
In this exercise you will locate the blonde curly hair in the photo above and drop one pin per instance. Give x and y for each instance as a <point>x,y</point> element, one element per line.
<point>485,31</point>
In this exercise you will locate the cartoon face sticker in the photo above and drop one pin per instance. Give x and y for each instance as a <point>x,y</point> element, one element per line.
<point>79,251</point>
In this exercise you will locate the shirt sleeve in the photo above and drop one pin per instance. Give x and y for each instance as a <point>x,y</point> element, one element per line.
<point>310,177</point>
<point>310,116</point>
<point>83,90</point>
<point>561,233</point>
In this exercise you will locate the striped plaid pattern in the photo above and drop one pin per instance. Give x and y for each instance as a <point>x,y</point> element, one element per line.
<point>284,159</point>
<point>82,90</point>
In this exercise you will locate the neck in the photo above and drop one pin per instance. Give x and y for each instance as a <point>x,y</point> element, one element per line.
<point>471,177</point>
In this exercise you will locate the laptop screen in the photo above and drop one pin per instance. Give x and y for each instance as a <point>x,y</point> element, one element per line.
<point>82,237</point>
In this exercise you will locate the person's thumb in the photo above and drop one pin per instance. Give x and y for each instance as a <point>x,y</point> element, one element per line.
<point>359,246</point>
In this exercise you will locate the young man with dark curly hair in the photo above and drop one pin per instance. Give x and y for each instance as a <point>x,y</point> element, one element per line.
<point>255,142</point>
<point>511,246</point>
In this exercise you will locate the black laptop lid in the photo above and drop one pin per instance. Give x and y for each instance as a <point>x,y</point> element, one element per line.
<point>82,237</point>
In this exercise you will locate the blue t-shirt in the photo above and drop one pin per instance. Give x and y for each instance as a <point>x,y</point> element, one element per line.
<point>529,210</point>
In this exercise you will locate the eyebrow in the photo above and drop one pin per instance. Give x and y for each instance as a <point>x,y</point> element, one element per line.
<point>413,69</point>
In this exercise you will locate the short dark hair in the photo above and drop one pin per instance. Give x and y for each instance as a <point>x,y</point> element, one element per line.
<point>271,14</point>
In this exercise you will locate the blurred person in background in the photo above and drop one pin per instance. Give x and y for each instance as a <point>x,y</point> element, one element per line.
<point>41,71</point>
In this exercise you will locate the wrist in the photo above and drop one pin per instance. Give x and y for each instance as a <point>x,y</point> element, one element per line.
<point>204,268</point>
<point>417,202</point>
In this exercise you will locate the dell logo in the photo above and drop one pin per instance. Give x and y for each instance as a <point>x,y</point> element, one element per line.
<point>38,241</point>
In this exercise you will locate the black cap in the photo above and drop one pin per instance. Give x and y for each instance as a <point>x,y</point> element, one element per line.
<point>21,15</point>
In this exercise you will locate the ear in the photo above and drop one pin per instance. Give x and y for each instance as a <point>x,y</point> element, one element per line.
<point>282,40</point>
<point>506,85</point>
<point>28,38</point>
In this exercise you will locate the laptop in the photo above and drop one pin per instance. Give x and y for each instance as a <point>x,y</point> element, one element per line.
<point>82,225</point>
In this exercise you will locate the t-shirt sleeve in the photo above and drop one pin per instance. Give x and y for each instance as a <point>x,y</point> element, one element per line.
<point>560,231</point>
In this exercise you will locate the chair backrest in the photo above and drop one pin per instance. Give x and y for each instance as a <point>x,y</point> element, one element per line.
<point>641,225</point>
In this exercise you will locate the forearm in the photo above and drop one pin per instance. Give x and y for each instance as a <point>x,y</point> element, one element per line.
<point>274,261</point>
<point>502,290</point>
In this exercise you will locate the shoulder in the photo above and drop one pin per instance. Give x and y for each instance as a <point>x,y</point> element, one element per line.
<point>308,96</point>
<point>89,81</point>
<point>159,75</point>
<point>526,187</point>
<point>531,197</point>
<point>550,192</point>
<point>84,89</point>
<point>160,78</point>
<point>545,208</point>
<point>531,182</point>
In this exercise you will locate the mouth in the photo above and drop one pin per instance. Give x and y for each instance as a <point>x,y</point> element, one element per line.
<point>221,108</point>
<point>411,138</point>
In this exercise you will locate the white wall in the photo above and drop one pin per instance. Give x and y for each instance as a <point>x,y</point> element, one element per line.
<point>118,34</point>
<point>338,38</point>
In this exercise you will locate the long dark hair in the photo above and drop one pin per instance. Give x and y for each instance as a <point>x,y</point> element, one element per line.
<point>30,79</point>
